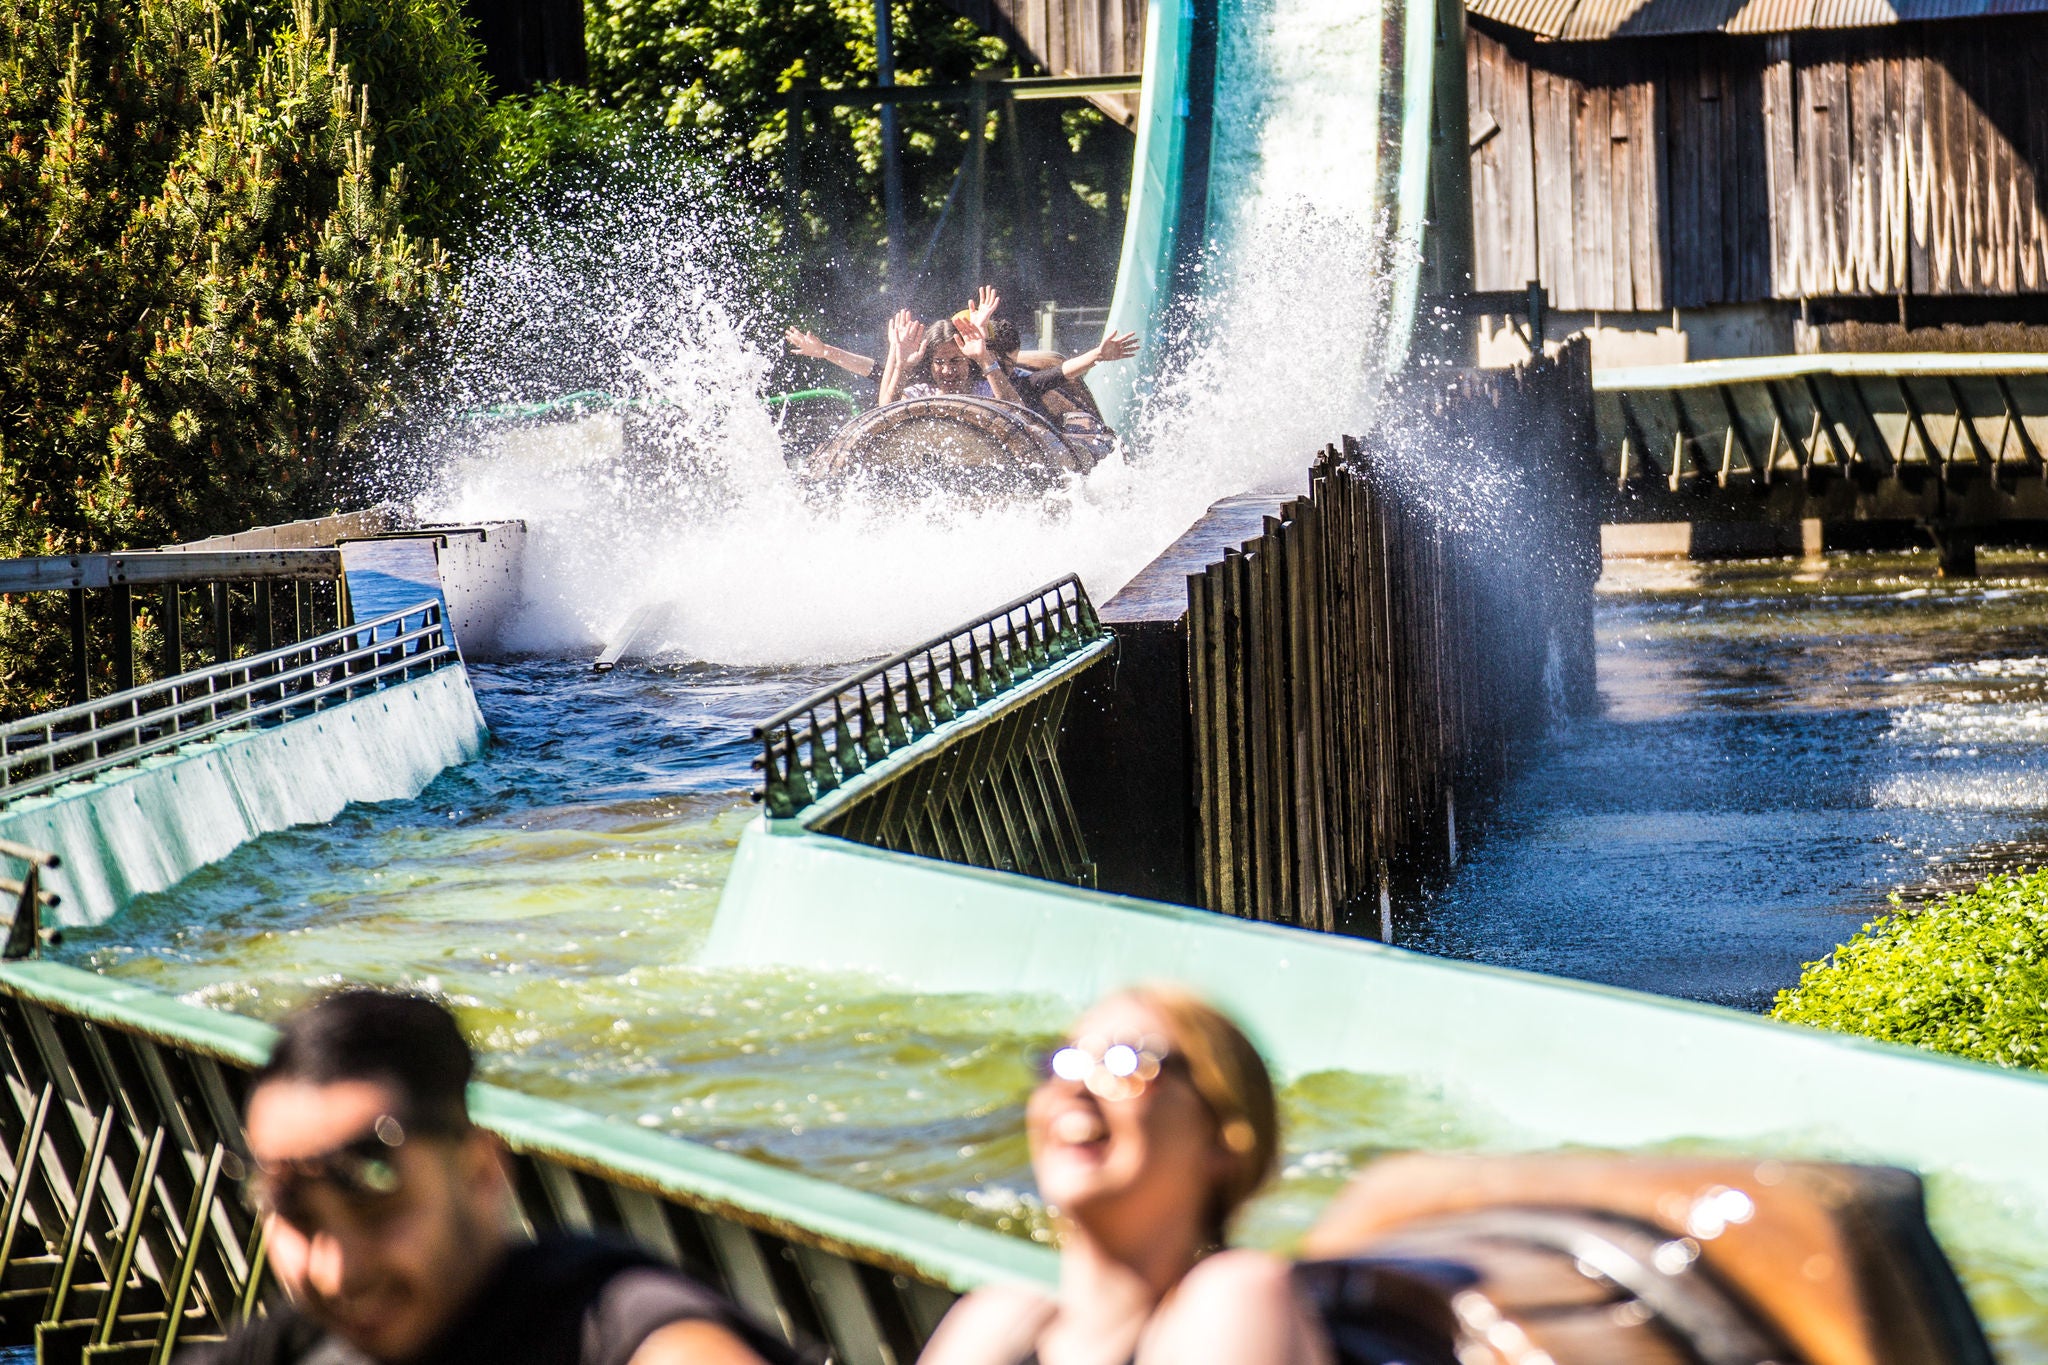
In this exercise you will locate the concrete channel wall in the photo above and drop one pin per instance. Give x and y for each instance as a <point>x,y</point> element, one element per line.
<point>141,829</point>
<point>1536,1060</point>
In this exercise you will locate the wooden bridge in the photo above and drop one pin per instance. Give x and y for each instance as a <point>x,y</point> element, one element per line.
<point>1950,444</point>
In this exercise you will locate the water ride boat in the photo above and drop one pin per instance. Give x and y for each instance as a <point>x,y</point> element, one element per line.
<point>981,447</point>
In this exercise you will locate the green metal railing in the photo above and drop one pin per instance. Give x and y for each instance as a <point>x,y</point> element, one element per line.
<point>48,750</point>
<point>1811,422</point>
<point>948,748</point>
<point>122,1236</point>
<point>597,400</point>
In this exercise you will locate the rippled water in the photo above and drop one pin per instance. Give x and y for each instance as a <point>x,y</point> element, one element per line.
<point>1776,751</point>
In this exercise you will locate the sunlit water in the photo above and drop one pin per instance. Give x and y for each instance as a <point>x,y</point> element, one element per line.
<point>1773,756</point>
<point>1776,750</point>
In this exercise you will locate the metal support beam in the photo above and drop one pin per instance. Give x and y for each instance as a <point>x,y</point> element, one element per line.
<point>124,637</point>
<point>892,167</point>
<point>977,183</point>
<point>174,630</point>
<point>81,670</point>
<point>223,637</point>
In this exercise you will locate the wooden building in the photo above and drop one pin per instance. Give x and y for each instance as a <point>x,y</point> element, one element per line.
<point>1071,38</point>
<point>527,42</point>
<point>1784,174</point>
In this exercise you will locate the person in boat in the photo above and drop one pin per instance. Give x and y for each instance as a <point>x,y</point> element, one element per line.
<point>810,346</point>
<point>1055,390</point>
<point>388,1219</point>
<point>1152,1124</point>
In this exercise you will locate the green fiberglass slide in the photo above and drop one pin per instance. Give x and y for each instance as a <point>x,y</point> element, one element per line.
<point>1551,1062</point>
<point>1257,115</point>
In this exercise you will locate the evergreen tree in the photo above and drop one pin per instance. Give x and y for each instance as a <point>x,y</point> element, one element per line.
<point>208,285</point>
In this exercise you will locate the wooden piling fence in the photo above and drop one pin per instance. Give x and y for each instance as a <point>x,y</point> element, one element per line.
<point>1360,671</point>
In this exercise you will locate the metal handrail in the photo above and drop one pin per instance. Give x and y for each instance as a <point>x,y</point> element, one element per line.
<point>136,568</point>
<point>806,752</point>
<point>867,1276</point>
<point>92,737</point>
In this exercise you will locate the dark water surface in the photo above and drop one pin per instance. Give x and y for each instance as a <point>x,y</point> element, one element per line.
<point>1778,747</point>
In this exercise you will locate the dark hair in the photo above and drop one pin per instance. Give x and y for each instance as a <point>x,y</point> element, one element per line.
<point>1002,336</point>
<point>408,1042</point>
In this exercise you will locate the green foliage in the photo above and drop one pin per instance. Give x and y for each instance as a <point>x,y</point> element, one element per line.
<point>429,100</point>
<point>558,130</point>
<point>208,287</point>
<point>719,72</point>
<point>1966,975</point>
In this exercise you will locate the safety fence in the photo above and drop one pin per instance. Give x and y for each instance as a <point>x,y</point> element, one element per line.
<point>55,747</point>
<point>123,1233</point>
<point>150,611</point>
<point>1952,443</point>
<point>1361,668</point>
<point>947,749</point>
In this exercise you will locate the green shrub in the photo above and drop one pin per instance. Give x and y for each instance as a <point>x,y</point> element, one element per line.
<point>210,286</point>
<point>1966,975</point>
<point>429,100</point>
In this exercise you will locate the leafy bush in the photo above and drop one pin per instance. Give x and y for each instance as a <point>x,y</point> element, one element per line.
<point>1966,975</point>
<point>429,100</point>
<point>210,287</point>
<point>718,72</point>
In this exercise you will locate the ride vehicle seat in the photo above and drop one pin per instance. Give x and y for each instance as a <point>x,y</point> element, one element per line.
<point>1596,1260</point>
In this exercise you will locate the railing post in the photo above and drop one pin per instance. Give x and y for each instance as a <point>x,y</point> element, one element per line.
<point>124,637</point>
<point>223,643</point>
<point>81,668</point>
<point>266,628</point>
<point>174,630</point>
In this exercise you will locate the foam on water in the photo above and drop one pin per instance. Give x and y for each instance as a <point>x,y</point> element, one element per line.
<point>687,500</point>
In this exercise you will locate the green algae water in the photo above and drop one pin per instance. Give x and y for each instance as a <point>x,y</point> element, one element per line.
<point>558,889</point>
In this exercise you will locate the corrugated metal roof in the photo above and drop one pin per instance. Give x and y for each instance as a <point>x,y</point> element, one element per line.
<point>1592,20</point>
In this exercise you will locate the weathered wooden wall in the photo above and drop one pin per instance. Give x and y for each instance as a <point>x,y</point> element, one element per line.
<point>1705,169</point>
<point>1070,38</point>
<point>1357,673</point>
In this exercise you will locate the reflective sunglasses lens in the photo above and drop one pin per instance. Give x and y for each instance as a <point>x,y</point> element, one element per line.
<point>1121,1059</point>
<point>1071,1064</point>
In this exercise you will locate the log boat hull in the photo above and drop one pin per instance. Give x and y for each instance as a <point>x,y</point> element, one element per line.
<point>958,444</point>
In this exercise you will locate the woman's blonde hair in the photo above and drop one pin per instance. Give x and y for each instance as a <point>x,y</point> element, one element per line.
<point>1231,1077</point>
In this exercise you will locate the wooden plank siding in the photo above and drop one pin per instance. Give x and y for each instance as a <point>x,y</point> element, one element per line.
<point>1070,38</point>
<point>1681,172</point>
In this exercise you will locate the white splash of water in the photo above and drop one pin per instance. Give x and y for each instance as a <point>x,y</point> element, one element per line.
<point>688,500</point>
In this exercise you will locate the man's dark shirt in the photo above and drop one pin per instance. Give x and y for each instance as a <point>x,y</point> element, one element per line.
<point>561,1301</point>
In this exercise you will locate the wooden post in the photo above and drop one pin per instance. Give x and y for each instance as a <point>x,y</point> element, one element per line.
<point>124,637</point>
<point>1027,227</point>
<point>81,670</point>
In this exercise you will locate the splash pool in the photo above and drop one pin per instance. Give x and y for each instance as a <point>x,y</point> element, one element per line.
<point>559,887</point>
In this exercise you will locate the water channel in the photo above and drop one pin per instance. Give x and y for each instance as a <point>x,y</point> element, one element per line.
<point>1778,747</point>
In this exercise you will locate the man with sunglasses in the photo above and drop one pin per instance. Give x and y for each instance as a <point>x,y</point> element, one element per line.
<point>389,1220</point>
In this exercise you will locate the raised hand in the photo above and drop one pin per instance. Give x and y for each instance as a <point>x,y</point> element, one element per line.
<point>1117,346</point>
<point>973,341</point>
<point>906,333</point>
<point>804,343</point>
<point>985,304</point>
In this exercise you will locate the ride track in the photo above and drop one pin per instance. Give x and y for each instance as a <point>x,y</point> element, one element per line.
<point>118,1237</point>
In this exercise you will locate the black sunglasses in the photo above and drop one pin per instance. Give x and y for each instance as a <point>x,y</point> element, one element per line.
<point>363,1170</point>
